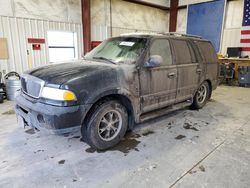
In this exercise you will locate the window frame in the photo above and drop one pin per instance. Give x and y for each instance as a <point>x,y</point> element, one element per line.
<point>74,47</point>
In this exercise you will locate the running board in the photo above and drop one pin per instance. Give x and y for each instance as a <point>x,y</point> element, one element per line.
<point>163,111</point>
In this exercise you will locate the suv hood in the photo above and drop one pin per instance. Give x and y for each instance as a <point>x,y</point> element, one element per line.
<point>64,72</point>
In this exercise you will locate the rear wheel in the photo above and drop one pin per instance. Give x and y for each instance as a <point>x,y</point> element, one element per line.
<point>106,125</point>
<point>201,96</point>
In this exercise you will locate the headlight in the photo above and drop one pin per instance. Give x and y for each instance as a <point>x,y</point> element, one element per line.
<point>58,94</point>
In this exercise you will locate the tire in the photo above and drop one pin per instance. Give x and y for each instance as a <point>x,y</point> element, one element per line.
<point>201,96</point>
<point>1,98</point>
<point>106,125</point>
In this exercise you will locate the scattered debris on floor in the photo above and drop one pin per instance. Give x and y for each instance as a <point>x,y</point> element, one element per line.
<point>127,144</point>
<point>147,168</point>
<point>30,131</point>
<point>9,112</point>
<point>40,150</point>
<point>189,126</point>
<point>179,137</point>
<point>202,168</point>
<point>151,167</point>
<point>147,132</point>
<point>61,162</point>
<point>192,172</point>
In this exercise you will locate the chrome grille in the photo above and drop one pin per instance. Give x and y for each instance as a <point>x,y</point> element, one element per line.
<point>32,86</point>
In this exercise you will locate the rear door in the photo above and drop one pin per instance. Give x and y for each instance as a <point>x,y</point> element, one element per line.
<point>189,69</point>
<point>210,60</point>
<point>158,84</point>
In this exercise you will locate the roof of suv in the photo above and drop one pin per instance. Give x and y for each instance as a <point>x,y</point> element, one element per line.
<point>172,35</point>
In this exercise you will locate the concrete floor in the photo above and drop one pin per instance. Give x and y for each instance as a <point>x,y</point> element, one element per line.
<point>205,148</point>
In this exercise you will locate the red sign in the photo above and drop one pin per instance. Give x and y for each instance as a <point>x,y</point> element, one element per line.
<point>36,40</point>
<point>36,46</point>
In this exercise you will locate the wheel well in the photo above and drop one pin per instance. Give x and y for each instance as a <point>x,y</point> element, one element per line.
<point>210,87</point>
<point>122,99</point>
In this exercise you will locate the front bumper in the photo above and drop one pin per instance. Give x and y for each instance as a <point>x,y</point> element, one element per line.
<point>54,119</point>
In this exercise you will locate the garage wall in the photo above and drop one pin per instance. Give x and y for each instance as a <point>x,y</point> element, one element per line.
<point>56,10</point>
<point>188,2</point>
<point>165,3</point>
<point>126,17</point>
<point>22,19</point>
<point>233,24</point>
<point>181,26</point>
<point>17,30</point>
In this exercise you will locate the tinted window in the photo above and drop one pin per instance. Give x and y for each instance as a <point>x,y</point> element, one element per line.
<point>207,51</point>
<point>162,47</point>
<point>182,50</point>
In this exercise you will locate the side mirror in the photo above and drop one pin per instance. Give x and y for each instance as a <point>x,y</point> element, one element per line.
<point>154,61</point>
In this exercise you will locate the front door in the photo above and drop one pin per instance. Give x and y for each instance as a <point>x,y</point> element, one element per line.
<point>158,84</point>
<point>189,69</point>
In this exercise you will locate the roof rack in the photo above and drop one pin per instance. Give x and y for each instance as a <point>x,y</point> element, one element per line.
<point>163,33</point>
<point>181,34</point>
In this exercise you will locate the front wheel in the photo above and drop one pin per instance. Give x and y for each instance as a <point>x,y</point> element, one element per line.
<point>201,96</point>
<point>106,126</point>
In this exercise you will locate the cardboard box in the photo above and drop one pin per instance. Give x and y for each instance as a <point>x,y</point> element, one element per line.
<point>3,49</point>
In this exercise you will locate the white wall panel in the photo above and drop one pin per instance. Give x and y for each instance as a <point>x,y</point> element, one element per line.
<point>233,24</point>
<point>6,8</point>
<point>234,14</point>
<point>231,38</point>
<point>55,10</point>
<point>188,2</point>
<point>126,17</point>
<point>18,30</point>
<point>181,26</point>
<point>164,3</point>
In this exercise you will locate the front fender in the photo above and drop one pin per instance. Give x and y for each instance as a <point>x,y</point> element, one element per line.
<point>111,91</point>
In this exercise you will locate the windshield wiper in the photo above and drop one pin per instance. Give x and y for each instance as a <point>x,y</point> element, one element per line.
<point>103,58</point>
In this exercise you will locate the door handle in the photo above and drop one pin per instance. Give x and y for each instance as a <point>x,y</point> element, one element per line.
<point>198,71</point>
<point>171,75</point>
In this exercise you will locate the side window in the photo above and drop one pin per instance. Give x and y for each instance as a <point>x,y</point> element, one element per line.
<point>207,51</point>
<point>184,52</point>
<point>162,47</point>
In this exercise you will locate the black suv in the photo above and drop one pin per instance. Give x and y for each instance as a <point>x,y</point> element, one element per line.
<point>123,81</point>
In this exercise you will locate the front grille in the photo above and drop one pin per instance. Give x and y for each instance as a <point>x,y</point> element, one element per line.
<point>31,85</point>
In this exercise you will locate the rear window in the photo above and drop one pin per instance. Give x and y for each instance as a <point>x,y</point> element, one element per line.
<point>183,51</point>
<point>207,51</point>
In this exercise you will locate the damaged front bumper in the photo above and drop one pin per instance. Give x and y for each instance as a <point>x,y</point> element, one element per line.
<point>55,119</point>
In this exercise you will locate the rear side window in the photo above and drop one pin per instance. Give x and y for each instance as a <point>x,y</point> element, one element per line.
<point>184,52</point>
<point>162,47</point>
<point>207,51</point>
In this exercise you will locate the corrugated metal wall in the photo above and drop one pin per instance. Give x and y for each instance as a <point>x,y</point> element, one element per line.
<point>100,33</point>
<point>17,30</point>
<point>232,26</point>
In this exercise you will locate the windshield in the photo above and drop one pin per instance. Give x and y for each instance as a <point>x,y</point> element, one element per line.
<point>119,50</point>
